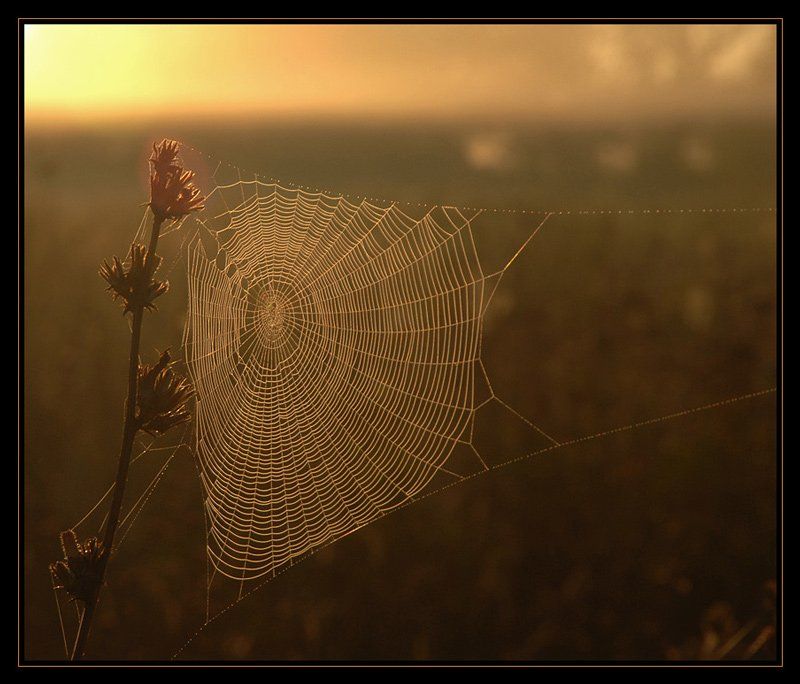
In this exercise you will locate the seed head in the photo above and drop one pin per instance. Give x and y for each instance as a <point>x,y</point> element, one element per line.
<point>173,195</point>
<point>165,156</point>
<point>163,400</point>
<point>79,573</point>
<point>134,285</point>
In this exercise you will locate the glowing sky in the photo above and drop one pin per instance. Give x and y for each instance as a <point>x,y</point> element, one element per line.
<point>91,73</point>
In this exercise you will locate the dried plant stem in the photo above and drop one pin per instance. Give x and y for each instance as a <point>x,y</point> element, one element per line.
<point>129,431</point>
<point>158,397</point>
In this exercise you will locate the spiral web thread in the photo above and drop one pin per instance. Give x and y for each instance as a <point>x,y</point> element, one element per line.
<point>335,349</point>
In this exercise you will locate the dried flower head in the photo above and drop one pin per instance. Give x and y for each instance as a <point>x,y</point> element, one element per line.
<point>163,400</point>
<point>135,286</point>
<point>165,156</point>
<point>173,195</point>
<point>79,574</point>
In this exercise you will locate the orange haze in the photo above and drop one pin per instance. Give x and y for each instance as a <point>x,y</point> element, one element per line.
<point>96,73</point>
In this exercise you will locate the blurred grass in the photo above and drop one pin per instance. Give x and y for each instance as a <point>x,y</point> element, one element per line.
<point>657,543</point>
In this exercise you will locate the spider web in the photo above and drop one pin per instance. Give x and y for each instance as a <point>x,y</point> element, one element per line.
<point>336,352</point>
<point>336,347</point>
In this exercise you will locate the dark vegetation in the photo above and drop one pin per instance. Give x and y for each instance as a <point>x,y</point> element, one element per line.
<point>656,543</point>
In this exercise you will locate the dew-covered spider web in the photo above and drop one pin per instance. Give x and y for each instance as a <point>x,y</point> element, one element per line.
<point>336,351</point>
<point>336,348</point>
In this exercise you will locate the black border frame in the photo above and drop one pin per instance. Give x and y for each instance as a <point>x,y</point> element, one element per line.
<point>22,663</point>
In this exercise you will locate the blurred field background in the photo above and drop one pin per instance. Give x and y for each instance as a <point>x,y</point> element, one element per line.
<point>659,543</point>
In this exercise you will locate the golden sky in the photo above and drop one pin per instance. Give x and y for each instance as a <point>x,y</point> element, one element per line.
<point>95,73</point>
